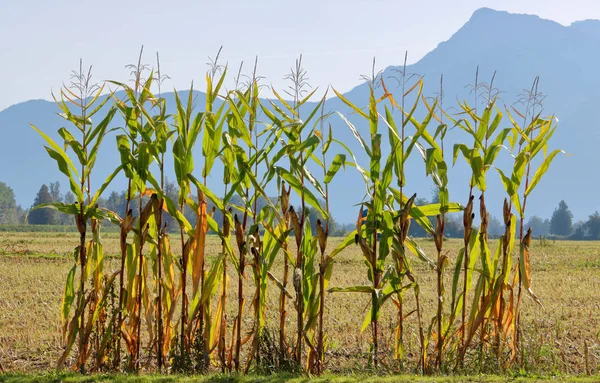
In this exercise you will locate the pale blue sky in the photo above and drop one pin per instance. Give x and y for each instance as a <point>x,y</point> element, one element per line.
<point>43,40</point>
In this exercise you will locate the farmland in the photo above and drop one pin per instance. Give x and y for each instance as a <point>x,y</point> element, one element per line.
<point>567,278</point>
<point>200,280</point>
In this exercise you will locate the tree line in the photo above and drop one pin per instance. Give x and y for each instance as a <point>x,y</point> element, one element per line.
<point>560,225</point>
<point>13,214</point>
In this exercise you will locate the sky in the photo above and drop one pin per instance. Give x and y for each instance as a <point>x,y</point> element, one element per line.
<point>42,41</point>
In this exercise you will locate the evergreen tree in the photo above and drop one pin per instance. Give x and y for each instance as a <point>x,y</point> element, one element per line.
<point>592,227</point>
<point>562,220</point>
<point>43,216</point>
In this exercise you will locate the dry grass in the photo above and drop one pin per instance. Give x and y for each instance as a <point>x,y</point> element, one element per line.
<point>566,278</point>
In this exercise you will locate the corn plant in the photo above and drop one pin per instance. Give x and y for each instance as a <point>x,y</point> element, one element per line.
<point>84,96</point>
<point>137,153</point>
<point>438,169</point>
<point>532,138</point>
<point>162,134</point>
<point>299,147</point>
<point>394,224</point>
<point>376,221</point>
<point>213,121</point>
<point>187,129</point>
<point>480,158</point>
<point>284,145</point>
<point>316,272</point>
<point>197,321</point>
<point>326,262</point>
<point>376,226</point>
<point>242,126</point>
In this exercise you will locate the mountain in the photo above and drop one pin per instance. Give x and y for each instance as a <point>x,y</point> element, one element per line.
<point>518,47</point>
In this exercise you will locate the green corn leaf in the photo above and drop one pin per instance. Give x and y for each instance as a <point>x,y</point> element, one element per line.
<point>507,182</point>
<point>64,163</point>
<point>357,135</point>
<point>351,105</point>
<point>466,151</point>
<point>478,168</point>
<point>212,279</point>
<point>71,209</point>
<point>349,240</point>
<point>539,173</point>
<point>99,133</point>
<point>308,97</point>
<point>299,189</point>
<point>143,161</point>
<point>313,181</point>
<point>474,252</point>
<point>211,196</point>
<point>107,182</point>
<point>486,262</point>
<point>482,129</point>
<point>312,114</point>
<point>434,209</point>
<point>414,247</point>
<point>367,321</point>
<point>70,141</point>
<point>495,123</point>
<point>456,279</point>
<point>375,165</point>
<point>362,172</point>
<point>279,284</point>
<point>285,103</point>
<point>409,115</point>
<point>421,132</point>
<point>68,295</point>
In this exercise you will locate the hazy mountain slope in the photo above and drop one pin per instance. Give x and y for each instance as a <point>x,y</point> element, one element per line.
<point>519,47</point>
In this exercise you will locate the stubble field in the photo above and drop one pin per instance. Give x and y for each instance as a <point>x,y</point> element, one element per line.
<point>566,277</point>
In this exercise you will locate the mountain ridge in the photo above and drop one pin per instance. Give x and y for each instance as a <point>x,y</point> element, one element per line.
<point>518,46</point>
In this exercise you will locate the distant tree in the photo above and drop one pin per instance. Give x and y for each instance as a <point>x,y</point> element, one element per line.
<point>562,220</point>
<point>69,198</point>
<point>495,227</point>
<point>592,226</point>
<point>43,216</point>
<point>435,194</point>
<point>579,232</point>
<point>453,226</point>
<point>546,226</point>
<point>415,229</point>
<point>538,225</point>
<point>55,192</point>
<point>116,202</point>
<point>8,205</point>
<point>22,215</point>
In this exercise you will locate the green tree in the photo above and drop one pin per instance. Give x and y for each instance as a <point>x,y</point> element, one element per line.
<point>69,198</point>
<point>538,225</point>
<point>8,205</point>
<point>43,216</point>
<point>55,192</point>
<point>495,227</point>
<point>592,226</point>
<point>562,220</point>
